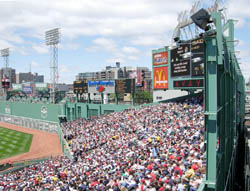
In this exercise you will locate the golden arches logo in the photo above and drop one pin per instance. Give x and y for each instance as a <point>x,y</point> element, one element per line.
<point>162,78</point>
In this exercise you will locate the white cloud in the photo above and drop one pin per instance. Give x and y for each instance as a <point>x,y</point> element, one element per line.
<point>239,9</point>
<point>130,50</point>
<point>102,44</point>
<point>151,40</point>
<point>101,17</point>
<point>40,48</point>
<point>133,58</point>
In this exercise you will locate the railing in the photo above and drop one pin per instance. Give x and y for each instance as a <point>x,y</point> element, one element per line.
<point>22,164</point>
<point>64,144</point>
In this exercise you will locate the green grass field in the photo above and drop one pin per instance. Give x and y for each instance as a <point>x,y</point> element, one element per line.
<point>13,142</point>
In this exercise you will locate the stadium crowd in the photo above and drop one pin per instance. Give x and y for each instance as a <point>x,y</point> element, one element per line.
<point>153,148</point>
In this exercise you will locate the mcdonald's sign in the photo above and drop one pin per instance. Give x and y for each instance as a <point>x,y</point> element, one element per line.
<point>161,78</point>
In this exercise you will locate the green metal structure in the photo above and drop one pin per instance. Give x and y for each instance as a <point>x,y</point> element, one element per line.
<point>224,110</point>
<point>224,92</point>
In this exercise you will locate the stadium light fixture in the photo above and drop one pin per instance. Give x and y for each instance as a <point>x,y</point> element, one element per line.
<point>201,18</point>
<point>52,37</point>
<point>5,52</point>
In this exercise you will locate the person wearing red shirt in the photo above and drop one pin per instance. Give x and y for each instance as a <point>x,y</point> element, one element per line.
<point>195,166</point>
<point>177,168</point>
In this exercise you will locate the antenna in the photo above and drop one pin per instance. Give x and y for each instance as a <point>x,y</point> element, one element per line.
<point>52,39</point>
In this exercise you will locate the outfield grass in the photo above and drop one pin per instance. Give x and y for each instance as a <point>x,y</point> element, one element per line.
<point>13,142</point>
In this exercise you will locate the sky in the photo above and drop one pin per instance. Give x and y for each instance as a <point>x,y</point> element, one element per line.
<point>97,33</point>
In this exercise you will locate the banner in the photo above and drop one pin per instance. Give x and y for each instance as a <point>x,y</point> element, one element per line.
<point>161,78</point>
<point>17,87</point>
<point>27,89</point>
<point>160,58</point>
<point>101,86</point>
<point>41,86</point>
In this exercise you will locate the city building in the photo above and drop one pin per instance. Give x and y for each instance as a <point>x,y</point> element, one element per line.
<point>29,77</point>
<point>141,74</point>
<point>86,75</point>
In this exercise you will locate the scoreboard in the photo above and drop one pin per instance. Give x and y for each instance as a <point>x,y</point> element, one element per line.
<point>125,86</point>
<point>197,49</point>
<point>187,60</point>
<point>180,62</point>
<point>80,86</point>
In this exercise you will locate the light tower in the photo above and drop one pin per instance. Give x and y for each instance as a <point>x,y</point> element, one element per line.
<point>6,74</point>
<point>52,38</point>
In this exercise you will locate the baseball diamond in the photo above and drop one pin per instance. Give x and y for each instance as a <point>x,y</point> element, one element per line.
<point>13,142</point>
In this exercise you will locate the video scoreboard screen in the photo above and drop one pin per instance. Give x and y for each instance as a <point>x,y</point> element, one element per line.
<point>125,86</point>
<point>197,49</point>
<point>180,60</point>
<point>188,59</point>
<point>80,86</point>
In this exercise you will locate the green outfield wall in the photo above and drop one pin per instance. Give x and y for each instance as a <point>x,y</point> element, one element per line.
<point>47,112</point>
<point>52,112</point>
<point>84,110</point>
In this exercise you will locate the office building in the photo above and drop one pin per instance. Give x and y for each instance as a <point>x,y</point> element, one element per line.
<point>29,77</point>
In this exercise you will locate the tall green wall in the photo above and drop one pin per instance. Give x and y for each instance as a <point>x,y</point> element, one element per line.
<point>84,110</point>
<point>47,112</point>
<point>52,112</point>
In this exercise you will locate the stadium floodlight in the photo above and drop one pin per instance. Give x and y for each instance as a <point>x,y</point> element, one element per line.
<point>5,52</point>
<point>52,38</point>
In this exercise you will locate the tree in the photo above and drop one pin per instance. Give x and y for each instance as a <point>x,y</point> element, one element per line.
<point>144,96</point>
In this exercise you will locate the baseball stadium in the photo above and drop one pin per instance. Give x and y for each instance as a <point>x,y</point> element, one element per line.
<point>197,141</point>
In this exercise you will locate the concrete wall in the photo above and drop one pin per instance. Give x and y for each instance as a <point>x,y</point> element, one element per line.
<point>160,95</point>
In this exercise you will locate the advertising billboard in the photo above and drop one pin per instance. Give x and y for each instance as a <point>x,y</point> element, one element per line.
<point>17,87</point>
<point>180,60</point>
<point>161,77</point>
<point>101,86</point>
<point>125,86</point>
<point>27,89</point>
<point>160,58</point>
<point>41,87</point>
<point>188,83</point>
<point>197,48</point>
<point>80,86</point>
